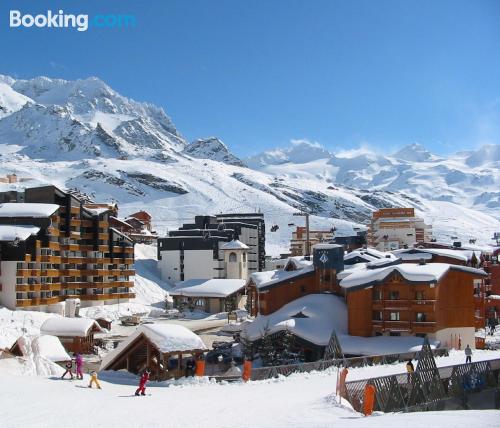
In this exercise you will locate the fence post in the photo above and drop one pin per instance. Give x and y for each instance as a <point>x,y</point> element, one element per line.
<point>369,400</point>
<point>342,388</point>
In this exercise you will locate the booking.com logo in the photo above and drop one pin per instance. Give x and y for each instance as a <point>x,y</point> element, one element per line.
<point>60,19</point>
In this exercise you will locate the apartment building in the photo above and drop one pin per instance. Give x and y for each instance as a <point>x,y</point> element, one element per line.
<point>53,247</point>
<point>394,228</point>
<point>402,299</point>
<point>298,243</point>
<point>195,251</point>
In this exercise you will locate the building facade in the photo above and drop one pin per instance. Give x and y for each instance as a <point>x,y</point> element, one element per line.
<point>71,252</point>
<point>298,243</point>
<point>394,228</point>
<point>406,300</point>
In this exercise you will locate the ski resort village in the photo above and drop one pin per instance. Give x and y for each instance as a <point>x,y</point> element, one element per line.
<point>146,281</point>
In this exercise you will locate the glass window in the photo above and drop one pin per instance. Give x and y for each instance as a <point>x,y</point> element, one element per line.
<point>394,316</point>
<point>232,257</point>
<point>419,295</point>
<point>421,317</point>
<point>377,294</point>
<point>377,316</point>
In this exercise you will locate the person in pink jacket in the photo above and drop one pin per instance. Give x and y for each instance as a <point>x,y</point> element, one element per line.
<point>79,365</point>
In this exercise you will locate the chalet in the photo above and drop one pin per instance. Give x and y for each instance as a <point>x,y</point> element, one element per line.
<point>76,334</point>
<point>271,290</point>
<point>310,319</point>
<point>144,217</point>
<point>209,295</point>
<point>53,249</point>
<point>412,299</point>
<point>162,348</point>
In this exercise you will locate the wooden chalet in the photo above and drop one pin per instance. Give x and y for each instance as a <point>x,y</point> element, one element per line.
<point>412,299</point>
<point>162,348</point>
<point>75,334</point>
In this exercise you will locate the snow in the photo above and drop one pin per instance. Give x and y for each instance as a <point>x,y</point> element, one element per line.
<point>10,100</point>
<point>34,210</point>
<point>208,287</point>
<point>461,255</point>
<point>45,346</point>
<point>431,272</point>
<point>268,278</point>
<point>324,313</point>
<point>12,233</point>
<point>234,245</point>
<point>298,262</point>
<point>68,327</point>
<point>165,337</point>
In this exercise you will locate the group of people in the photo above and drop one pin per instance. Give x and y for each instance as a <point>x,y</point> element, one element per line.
<point>78,359</point>
<point>79,370</point>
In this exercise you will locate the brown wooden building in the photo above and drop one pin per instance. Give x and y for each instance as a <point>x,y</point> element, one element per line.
<point>162,348</point>
<point>271,290</point>
<point>75,334</point>
<point>413,299</point>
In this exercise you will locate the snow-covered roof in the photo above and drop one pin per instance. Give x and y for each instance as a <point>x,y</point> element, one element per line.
<point>10,232</point>
<point>234,245</point>
<point>298,262</point>
<point>165,337</point>
<point>348,269</point>
<point>34,210</point>
<point>326,246</point>
<point>272,277</point>
<point>69,327</point>
<point>319,315</point>
<point>361,254</point>
<point>431,272</point>
<point>461,255</point>
<point>47,346</point>
<point>207,287</point>
<point>414,256</point>
<point>97,210</point>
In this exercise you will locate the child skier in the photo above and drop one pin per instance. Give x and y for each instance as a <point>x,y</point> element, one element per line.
<point>143,382</point>
<point>69,366</point>
<point>410,369</point>
<point>93,379</point>
<point>468,354</point>
<point>79,366</point>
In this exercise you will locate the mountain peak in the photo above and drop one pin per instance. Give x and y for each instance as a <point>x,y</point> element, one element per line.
<point>414,153</point>
<point>212,148</point>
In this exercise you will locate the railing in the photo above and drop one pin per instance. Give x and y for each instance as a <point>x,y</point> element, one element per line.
<point>285,370</point>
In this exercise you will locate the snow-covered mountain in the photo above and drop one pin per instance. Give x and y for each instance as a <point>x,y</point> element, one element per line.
<point>83,134</point>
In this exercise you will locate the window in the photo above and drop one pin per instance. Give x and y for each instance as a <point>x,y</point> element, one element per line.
<point>244,257</point>
<point>377,294</point>
<point>421,335</point>
<point>19,265</point>
<point>199,303</point>
<point>232,257</point>
<point>419,295</point>
<point>393,295</point>
<point>377,316</point>
<point>394,316</point>
<point>394,333</point>
<point>421,317</point>
<point>378,333</point>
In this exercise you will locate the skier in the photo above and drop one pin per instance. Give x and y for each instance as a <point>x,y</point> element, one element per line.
<point>410,369</point>
<point>468,354</point>
<point>69,366</point>
<point>79,365</point>
<point>190,366</point>
<point>143,382</point>
<point>93,379</point>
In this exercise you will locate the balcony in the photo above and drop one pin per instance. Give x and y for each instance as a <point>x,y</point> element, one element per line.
<point>27,272</point>
<point>408,326</point>
<point>380,305</point>
<point>50,259</point>
<point>107,296</point>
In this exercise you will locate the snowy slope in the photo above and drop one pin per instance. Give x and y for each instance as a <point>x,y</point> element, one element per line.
<point>83,134</point>
<point>301,400</point>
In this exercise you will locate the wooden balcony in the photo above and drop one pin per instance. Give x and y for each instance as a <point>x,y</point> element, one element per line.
<point>107,296</point>
<point>27,272</point>
<point>37,301</point>
<point>75,222</point>
<point>71,272</point>
<point>28,287</point>
<point>71,247</point>
<point>422,305</point>
<point>50,259</point>
<point>54,245</point>
<point>53,231</point>
<point>404,326</point>
<point>387,305</point>
<point>50,272</point>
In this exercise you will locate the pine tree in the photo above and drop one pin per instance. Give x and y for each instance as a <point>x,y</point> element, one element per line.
<point>266,349</point>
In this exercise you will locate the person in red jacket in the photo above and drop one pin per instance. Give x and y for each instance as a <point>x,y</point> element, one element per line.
<point>142,383</point>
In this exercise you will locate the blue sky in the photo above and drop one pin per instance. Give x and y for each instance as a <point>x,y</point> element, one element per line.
<point>260,73</point>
